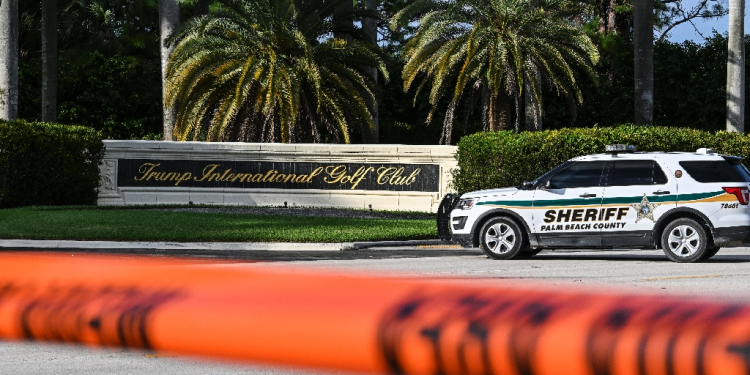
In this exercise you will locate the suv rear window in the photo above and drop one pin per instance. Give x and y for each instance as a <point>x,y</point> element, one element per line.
<point>637,172</point>
<point>728,170</point>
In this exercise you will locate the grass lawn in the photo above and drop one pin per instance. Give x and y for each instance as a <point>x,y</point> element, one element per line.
<point>93,223</point>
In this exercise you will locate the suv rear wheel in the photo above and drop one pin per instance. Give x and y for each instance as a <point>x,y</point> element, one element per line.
<point>684,240</point>
<point>501,238</point>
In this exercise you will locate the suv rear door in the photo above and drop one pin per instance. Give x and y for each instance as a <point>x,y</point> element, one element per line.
<point>640,192</point>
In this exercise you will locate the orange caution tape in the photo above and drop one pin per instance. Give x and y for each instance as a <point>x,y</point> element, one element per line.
<point>371,324</point>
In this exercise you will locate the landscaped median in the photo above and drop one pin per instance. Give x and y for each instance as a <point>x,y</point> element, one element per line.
<point>210,225</point>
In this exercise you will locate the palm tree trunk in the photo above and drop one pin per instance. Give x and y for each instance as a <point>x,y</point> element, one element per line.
<point>370,28</point>
<point>8,59</point>
<point>643,38</point>
<point>736,68</point>
<point>602,6</point>
<point>611,19</point>
<point>532,109</point>
<point>484,99</point>
<point>49,60</point>
<point>500,111</point>
<point>169,18</point>
<point>342,22</point>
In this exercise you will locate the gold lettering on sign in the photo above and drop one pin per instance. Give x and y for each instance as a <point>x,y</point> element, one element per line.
<point>208,171</point>
<point>145,171</point>
<point>338,174</point>
<point>334,174</point>
<point>393,176</point>
<point>314,173</point>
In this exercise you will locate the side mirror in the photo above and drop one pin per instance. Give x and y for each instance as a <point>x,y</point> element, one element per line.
<point>526,185</point>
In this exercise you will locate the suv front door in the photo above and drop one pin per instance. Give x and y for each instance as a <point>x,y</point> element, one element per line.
<point>640,192</point>
<point>566,205</point>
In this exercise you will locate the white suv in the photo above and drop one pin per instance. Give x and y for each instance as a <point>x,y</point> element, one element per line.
<point>689,204</point>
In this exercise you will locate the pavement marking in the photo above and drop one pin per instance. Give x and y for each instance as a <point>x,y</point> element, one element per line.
<point>681,277</point>
<point>158,356</point>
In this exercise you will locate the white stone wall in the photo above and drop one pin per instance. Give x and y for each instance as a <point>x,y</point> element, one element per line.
<point>111,194</point>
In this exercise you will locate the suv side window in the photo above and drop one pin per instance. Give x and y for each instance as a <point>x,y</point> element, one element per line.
<point>580,174</point>
<point>728,170</point>
<point>636,172</point>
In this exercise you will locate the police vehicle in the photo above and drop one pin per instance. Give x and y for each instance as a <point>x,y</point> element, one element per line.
<point>688,204</point>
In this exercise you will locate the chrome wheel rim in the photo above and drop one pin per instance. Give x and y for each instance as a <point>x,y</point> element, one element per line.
<point>500,238</point>
<point>684,241</point>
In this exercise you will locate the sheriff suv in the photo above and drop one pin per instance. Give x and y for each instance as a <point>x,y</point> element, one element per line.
<point>688,204</point>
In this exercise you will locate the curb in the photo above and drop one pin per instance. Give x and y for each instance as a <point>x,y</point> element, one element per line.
<point>214,246</point>
<point>348,246</point>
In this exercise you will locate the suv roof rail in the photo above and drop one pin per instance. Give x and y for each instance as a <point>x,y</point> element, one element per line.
<point>705,151</point>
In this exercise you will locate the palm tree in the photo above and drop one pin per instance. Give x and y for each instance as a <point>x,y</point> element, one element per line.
<point>169,18</point>
<point>736,67</point>
<point>49,60</point>
<point>494,45</point>
<point>643,62</point>
<point>269,70</point>
<point>8,59</point>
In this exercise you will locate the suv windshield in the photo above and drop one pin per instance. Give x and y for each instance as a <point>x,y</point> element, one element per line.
<point>727,170</point>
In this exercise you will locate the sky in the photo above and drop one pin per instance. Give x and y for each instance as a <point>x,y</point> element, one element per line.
<point>686,31</point>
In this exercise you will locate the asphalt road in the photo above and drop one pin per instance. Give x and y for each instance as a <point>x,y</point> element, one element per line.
<point>726,276</point>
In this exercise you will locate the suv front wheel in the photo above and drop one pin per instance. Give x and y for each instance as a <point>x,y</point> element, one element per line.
<point>501,238</point>
<point>684,240</point>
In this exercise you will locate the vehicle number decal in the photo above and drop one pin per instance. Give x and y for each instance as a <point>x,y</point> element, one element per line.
<point>730,205</point>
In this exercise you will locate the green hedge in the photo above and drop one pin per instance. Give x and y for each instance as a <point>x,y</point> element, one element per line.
<point>48,164</point>
<point>490,160</point>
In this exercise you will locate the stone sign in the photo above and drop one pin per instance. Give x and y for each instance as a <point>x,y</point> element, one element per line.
<point>384,177</point>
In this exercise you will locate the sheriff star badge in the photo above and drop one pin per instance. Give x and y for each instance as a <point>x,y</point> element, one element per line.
<point>645,209</point>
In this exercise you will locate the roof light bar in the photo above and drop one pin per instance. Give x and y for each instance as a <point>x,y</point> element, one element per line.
<point>619,148</point>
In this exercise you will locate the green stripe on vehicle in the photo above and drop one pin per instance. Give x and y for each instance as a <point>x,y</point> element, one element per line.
<point>597,202</point>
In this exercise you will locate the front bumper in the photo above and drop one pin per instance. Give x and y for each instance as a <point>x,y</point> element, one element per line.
<point>731,236</point>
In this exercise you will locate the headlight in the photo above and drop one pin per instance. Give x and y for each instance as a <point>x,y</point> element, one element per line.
<point>466,203</point>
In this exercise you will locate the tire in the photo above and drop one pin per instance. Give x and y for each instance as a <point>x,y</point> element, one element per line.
<point>710,252</point>
<point>502,238</point>
<point>684,241</point>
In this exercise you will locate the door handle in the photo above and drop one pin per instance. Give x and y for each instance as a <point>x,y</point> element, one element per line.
<point>587,195</point>
<point>660,192</point>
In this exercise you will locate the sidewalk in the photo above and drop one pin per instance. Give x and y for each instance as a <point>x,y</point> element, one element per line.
<point>228,246</point>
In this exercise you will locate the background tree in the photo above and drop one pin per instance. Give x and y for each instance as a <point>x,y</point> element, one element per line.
<point>49,60</point>
<point>643,44</point>
<point>8,59</point>
<point>736,67</point>
<point>470,44</point>
<point>265,71</point>
<point>370,29</point>
<point>169,19</point>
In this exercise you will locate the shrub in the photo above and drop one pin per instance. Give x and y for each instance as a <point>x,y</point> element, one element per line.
<point>48,164</point>
<point>490,160</point>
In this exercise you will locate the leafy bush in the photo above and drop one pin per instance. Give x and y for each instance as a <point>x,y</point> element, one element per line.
<point>490,160</point>
<point>48,164</point>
